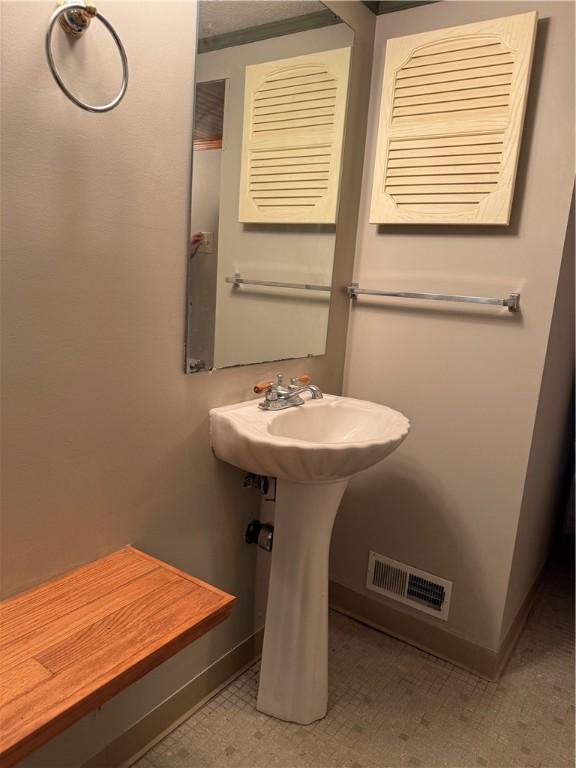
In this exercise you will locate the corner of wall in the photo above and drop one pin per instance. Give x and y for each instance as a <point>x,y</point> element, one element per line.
<point>363,22</point>
<point>549,449</point>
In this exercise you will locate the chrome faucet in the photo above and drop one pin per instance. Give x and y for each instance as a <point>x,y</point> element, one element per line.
<point>277,396</point>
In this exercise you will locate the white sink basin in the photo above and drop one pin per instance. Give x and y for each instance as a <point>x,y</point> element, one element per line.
<point>320,442</point>
<point>312,450</point>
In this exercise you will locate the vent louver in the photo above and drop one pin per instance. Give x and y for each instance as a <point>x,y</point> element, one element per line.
<point>408,585</point>
<point>455,170</point>
<point>451,117</point>
<point>473,76</point>
<point>292,141</point>
<point>426,592</point>
<point>388,578</point>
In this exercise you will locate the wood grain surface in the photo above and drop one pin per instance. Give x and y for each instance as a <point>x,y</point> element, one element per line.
<point>451,117</point>
<point>70,644</point>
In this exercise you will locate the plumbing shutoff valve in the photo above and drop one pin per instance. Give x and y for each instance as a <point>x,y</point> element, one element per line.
<point>261,534</point>
<point>259,482</point>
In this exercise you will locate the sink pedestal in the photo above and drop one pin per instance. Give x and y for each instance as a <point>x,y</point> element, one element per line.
<point>329,439</point>
<point>294,670</point>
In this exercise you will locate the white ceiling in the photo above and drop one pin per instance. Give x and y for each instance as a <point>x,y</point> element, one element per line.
<point>220,16</point>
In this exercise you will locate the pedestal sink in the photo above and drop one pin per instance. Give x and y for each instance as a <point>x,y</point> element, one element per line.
<point>312,450</point>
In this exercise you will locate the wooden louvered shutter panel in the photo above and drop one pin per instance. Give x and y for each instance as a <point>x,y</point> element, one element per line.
<point>294,113</point>
<point>451,116</point>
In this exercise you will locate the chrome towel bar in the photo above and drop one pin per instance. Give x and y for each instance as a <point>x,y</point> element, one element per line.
<point>512,301</point>
<point>74,17</point>
<point>238,280</point>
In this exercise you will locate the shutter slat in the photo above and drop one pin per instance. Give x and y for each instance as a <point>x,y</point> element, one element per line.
<point>442,107</point>
<point>494,148</point>
<point>469,76</point>
<point>421,162</point>
<point>449,86</point>
<point>443,169</point>
<point>410,189</point>
<point>469,52</point>
<point>443,178</point>
<point>479,66</point>
<point>459,95</point>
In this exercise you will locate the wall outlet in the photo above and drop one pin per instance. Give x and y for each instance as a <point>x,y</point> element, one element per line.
<point>207,244</point>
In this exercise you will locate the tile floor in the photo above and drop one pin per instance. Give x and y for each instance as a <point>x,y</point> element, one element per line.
<point>392,705</point>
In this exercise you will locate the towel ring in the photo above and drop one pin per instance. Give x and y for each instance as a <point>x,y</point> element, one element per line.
<point>75,17</point>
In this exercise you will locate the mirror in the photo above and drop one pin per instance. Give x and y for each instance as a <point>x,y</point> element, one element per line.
<point>269,117</point>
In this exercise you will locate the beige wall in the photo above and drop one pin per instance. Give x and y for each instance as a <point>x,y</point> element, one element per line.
<point>105,440</point>
<point>449,500</point>
<point>287,323</point>
<point>548,455</point>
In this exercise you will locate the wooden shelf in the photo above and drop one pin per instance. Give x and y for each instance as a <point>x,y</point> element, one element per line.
<point>70,644</point>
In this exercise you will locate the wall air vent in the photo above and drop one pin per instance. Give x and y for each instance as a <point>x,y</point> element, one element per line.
<point>408,585</point>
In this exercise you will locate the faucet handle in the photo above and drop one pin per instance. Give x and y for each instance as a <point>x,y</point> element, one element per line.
<point>263,386</point>
<point>296,381</point>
